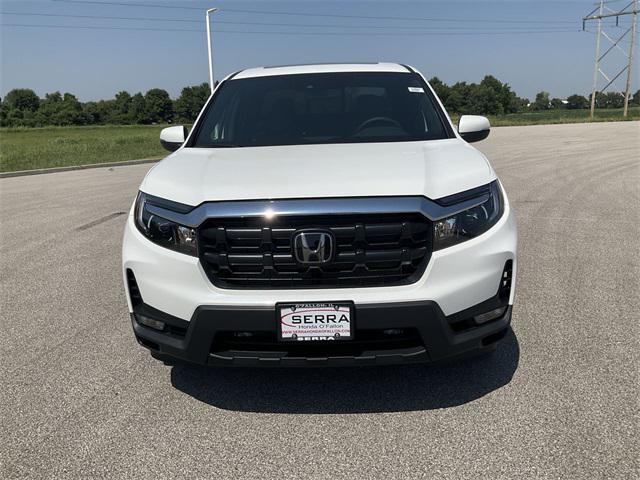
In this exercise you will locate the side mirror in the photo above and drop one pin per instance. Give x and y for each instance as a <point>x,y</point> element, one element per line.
<point>473,128</point>
<point>172,138</point>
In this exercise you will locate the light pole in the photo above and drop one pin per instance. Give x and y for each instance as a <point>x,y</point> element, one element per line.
<point>209,12</point>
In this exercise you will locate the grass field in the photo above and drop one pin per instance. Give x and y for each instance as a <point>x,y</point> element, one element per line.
<point>563,116</point>
<point>31,148</point>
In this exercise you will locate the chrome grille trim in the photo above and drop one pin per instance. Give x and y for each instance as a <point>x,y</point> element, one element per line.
<point>311,207</point>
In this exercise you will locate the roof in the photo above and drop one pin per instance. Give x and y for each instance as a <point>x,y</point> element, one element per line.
<point>321,68</point>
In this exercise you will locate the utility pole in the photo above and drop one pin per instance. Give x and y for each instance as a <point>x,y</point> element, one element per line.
<point>596,67</point>
<point>209,12</point>
<point>630,63</point>
<point>603,12</point>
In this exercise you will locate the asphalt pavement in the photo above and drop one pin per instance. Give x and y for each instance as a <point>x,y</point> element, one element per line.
<point>559,399</point>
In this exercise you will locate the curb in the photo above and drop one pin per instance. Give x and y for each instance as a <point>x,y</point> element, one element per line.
<point>41,171</point>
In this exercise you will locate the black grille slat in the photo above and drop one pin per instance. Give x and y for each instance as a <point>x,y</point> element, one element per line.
<point>134,290</point>
<point>363,341</point>
<point>370,250</point>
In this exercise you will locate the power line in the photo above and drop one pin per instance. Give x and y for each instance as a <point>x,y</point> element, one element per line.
<point>71,27</point>
<point>101,17</point>
<point>155,19</point>
<point>127,4</point>
<point>327,15</point>
<point>426,19</point>
<point>84,27</point>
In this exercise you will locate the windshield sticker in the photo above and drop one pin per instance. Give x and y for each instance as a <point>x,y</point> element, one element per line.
<point>416,89</point>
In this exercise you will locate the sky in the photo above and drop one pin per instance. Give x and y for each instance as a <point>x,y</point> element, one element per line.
<point>532,45</point>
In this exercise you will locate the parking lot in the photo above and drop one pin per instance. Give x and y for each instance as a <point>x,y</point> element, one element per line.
<point>559,399</point>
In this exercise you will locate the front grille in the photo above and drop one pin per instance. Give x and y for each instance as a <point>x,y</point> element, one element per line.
<point>370,250</point>
<point>266,344</point>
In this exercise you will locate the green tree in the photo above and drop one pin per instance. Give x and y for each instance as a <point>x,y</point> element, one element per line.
<point>542,101</point>
<point>23,99</point>
<point>50,105</point>
<point>522,104</point>
<point>4,115</point>
<point>556,103</point>
<point>441,89</point>
<point>502,93</point>
<point>489,97</point>
<point>138,109</point>
<point>72,113</point>
<point>635,99</point>
<point>93,112</point>
<point>613,100</point>
<point>58,109</point>
<point>158,105</point>
<point>107,111</point>
<point>190,102</point>
<point>457,100</point>
<point>575,102</point>
<point>120,108</point>
<point>483,100</point>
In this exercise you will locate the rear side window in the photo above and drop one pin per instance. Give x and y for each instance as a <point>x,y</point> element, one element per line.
<point>320,108</point>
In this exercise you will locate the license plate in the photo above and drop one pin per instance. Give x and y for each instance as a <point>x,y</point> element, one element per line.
<point>315,322</point>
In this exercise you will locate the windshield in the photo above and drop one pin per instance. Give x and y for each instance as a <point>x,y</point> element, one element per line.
<point>320,108</point>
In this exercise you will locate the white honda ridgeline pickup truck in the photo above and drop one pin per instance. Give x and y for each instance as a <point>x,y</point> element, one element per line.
<point>321,215</point>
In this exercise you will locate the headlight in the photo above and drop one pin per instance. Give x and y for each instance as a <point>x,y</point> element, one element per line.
<point>164,232</point>
<point>469,223</point>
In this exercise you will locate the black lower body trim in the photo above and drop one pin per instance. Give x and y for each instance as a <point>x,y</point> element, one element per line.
<point>387,333</point>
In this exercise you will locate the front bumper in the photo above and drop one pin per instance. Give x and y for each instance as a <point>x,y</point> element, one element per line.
<point>219,336</point>
<point>458,281</point>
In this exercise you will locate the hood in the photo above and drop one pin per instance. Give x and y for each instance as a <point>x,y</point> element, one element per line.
<point>429,168</point>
